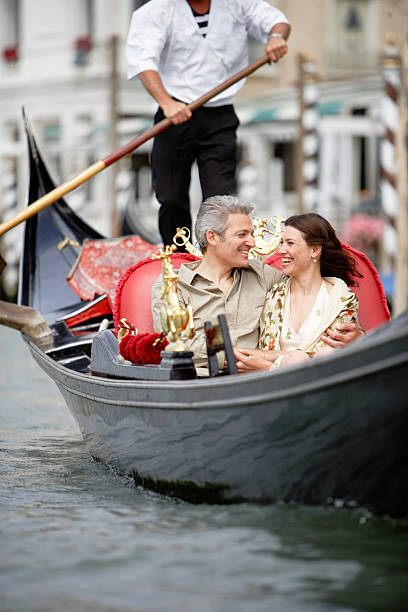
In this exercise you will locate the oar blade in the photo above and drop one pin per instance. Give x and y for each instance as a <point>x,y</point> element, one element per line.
<point>27,320</point>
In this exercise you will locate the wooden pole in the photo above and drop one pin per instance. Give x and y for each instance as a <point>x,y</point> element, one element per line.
<point>309,133</point>
<point>113,91</point>
<point>391,71</point>
<point>400,299</point>
<point>299,152</point>
<point>136,142</point>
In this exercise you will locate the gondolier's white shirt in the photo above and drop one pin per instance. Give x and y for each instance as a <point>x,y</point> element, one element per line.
<point>164,36</point>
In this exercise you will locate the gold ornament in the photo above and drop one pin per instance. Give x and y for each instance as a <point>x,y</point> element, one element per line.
<point>61,245</point>
<point>177,322</point>
<point>126,327</point>
<point>182,238</point>
<point>261,249</point>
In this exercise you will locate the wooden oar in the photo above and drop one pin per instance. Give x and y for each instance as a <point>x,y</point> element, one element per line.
<point>29,321</point>
<point>85,175</point>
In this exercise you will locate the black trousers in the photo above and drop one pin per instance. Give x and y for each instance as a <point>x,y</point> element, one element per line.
<point>209,138</point>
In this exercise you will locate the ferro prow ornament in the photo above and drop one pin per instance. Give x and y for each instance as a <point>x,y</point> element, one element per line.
<point>177,322</point>
<point>261,249</point>
<point>182,238</point>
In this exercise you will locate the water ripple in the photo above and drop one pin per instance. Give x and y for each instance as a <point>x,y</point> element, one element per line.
<point>75,536</point>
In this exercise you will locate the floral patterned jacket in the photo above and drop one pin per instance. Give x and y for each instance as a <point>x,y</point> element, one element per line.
<point>342,308</point>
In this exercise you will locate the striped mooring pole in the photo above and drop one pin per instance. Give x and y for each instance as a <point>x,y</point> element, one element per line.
<point>391,70</point>
<point>308,135</point>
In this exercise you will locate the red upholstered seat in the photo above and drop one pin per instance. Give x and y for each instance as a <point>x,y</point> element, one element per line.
<point>132,297</point>
<point>373,309</point>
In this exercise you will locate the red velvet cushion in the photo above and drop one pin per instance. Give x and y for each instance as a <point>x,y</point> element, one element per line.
<point>373,309</point>
<point>133,292</point>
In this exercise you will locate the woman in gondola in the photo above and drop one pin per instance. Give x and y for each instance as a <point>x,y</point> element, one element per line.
<point>313,297</point>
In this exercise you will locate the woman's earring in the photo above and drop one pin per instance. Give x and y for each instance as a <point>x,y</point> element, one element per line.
<point>315,260</point>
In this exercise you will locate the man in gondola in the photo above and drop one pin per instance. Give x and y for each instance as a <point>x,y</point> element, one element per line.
<point>180,49</point>
<point>226,281</point>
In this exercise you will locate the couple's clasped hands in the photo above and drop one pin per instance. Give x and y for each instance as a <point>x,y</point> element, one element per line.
<point>250,360</point>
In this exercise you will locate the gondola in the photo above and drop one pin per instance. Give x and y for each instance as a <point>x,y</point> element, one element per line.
<point>332,429</point>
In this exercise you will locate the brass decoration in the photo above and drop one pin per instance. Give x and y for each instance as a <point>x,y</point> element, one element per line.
<point>263,248</point>
<point>177,322</point>
<point>183,238</point>
<point>65,242</point>
<point>126,328</point>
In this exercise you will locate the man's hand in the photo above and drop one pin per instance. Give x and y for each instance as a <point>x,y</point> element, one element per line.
<point>343,335</point>
<point>276,48</point>
<point>177,112</point>
<point>251,360</point>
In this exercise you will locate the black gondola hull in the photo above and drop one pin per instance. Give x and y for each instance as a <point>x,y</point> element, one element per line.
<point>334,429</point>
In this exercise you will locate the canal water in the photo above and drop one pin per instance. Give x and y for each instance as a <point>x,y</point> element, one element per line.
<point>75,537</point>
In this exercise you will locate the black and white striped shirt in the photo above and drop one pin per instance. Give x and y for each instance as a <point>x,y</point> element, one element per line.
<point>202,22</point>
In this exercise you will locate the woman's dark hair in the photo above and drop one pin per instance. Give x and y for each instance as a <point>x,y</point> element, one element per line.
<point>334,260</point>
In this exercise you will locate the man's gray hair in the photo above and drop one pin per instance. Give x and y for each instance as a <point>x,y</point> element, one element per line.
<point>213,215</point>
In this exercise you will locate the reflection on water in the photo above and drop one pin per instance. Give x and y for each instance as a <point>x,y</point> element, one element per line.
<point>76,537</point>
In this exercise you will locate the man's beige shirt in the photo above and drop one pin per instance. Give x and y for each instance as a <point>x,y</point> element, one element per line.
<point>242,306</point>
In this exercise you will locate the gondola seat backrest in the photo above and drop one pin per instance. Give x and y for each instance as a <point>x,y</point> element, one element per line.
<point>133,292</point>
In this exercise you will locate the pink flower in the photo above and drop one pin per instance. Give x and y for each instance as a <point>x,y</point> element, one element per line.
<point>362,231</point>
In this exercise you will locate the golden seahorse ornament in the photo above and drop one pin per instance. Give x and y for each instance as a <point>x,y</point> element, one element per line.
<point>177,322</point>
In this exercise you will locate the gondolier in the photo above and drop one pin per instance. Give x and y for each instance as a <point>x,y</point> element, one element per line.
<point>178,49</point>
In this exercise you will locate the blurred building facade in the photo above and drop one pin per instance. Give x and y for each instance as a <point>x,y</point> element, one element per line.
<point>64,62</point>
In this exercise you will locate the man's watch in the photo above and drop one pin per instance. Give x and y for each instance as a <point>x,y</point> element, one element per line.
<point>275,34</point>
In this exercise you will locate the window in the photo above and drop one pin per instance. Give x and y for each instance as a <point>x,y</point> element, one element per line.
<point>351,17</point>
<point>9,28</point>
<point>354,36</point>
<point>84,42</point>
<point>86,23</point>
<point>287,153</point>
